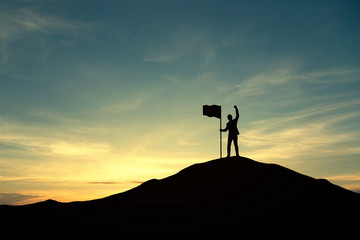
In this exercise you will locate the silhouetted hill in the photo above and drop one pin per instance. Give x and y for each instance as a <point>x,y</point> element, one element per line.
<point>221,194</point>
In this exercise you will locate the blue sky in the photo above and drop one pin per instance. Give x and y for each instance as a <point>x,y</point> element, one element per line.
<point>98,96</point>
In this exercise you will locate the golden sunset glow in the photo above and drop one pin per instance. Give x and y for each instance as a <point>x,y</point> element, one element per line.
<point>96,98</point>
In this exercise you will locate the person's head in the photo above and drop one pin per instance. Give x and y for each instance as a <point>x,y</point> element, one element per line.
<point>229,117</point>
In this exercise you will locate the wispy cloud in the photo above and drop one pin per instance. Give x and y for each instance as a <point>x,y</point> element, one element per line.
<point>20,23</point>
<point>183,142</point>
<point>305,133</point>
<point>332,75</point>
<point>256,85</point>
<point>280,74</point>
<point>349,180</point>
<point>161,57</point>
<point>310,113</point>
<point>128,105</point>
<point>184,41</point>
<point>111,182</point>
<point>104,182</point>
<point>346,177</point>
<point>79,149</point>
<point>15,23</point>
<point>68,138</point>
<point>15,198</point>
<point>33,151</point>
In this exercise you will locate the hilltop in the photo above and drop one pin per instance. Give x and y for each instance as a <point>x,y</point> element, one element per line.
<point>218,194</point>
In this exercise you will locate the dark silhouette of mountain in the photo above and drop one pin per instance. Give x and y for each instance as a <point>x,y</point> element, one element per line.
<point>222,194</point>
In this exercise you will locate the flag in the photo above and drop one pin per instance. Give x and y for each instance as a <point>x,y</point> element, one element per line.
<point>212,111</point>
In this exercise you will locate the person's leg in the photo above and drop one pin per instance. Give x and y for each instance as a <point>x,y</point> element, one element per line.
<point>236,145</point>
<point>228,146</point>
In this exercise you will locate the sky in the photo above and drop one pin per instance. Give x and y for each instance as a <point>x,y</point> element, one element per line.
<point>97,97</point>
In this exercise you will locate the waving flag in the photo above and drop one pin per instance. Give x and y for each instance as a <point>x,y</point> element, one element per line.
<point>212,111</point>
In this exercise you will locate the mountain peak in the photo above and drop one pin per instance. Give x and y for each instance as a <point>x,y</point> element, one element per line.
<point>220,193</point>
<point>237,188</point>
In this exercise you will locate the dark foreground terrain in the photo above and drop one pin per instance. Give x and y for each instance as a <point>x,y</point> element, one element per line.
<point>222,194</point>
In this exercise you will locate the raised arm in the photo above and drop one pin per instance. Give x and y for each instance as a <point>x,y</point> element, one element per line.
<point>237,113</point>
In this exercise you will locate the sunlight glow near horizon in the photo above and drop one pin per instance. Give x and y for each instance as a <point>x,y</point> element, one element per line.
<point>97,97</point>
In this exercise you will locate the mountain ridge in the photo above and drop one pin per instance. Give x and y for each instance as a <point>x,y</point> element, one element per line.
<point>218,194</point>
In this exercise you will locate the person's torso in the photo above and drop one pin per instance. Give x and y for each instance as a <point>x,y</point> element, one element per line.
<point>232,127</point>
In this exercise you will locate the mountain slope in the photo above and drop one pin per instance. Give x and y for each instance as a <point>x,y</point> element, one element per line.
<point>233,190</point>
<point>221,193</point>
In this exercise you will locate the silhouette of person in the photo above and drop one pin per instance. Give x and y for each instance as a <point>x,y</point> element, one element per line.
<point>233,132</point>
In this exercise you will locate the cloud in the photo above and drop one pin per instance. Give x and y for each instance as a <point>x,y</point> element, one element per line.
<point>280,74</point>
<point>259,83</point>
<point>16,24</point>
<point>110,182</point>
<point>332,75</point>
<point>130,104</point>
<point>183,42</point>
<point>139,182</point>
<point>345,177</point>
<point>45,141</point>
<point>79,149</point>
<point>104,182</point>
<point>349,180</point>
<point>310,113</point>
<point>304,133</point>
<point>15,198</point>
<point>17,142</point>
<point>159,57</point>
<point>184,142</point>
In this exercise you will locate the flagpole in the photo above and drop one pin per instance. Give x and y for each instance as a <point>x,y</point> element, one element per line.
<point>220,140</point>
